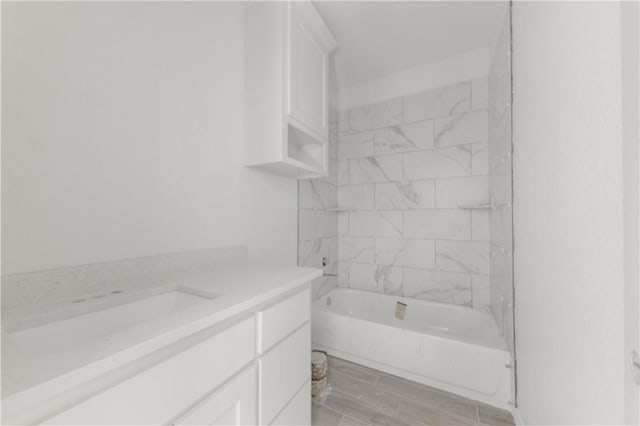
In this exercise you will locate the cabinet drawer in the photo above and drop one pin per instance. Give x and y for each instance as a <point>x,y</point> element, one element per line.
<point>281,319</point>
<point>298,411</point>
<point>233,404</point>
<point>282,372</point>
<point>158,394</point>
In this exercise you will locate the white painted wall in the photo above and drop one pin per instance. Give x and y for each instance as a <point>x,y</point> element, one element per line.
<point>630,34</point>
<point>568,212</point>
<point>122,136</point>
<point>463,67</point>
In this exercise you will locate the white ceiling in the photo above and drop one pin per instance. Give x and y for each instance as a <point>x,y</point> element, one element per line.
<point>378,38</point>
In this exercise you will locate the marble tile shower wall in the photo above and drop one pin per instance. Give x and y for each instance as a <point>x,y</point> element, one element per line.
<point>405,166</point>
<point>501,217</point>
<point>317,219</point>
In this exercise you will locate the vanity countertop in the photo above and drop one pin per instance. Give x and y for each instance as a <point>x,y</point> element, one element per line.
<point>30,376</point>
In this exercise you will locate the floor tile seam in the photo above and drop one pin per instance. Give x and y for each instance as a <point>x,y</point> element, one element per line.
<point>366,404</point>
<point>454,398</point>
<point>351,376</point>
<point>432,405</point>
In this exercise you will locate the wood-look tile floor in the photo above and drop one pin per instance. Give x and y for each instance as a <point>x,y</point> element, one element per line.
<point>363,396</point>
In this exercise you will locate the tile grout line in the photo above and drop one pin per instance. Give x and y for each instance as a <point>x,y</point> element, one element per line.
<point>335,409</point>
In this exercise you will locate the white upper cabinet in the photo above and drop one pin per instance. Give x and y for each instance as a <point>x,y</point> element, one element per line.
<point>308,71</point>
<point>287,48</point>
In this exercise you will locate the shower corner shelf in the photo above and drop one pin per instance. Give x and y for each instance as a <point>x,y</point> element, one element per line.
<point>341,209</point>
<point>477,207</point>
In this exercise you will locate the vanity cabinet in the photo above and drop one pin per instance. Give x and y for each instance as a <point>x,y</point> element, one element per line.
<point>297,409</point>
<point>159,393</point>
<point>233,405</point>
<point>287,48</point>
<point>255,371</point>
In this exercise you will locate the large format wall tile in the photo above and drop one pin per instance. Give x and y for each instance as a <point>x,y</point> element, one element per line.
<point>437,103</point>
<point>375,223</point>
<point>362,276</point>
<point>323,285</point>
<point>445,162</point>
<point>500,226</point>
<point>313,194</point>
<point>481,289</point>
<point>460,129</point>
<point>310,253</point>
<point>306,224</point>
<point>384,168</point>
<point>356,249</point>
<point>381,278</point>
<point>480,93</point>
<point>343,274</point>
<point>356,196</point>
<point>435,224</point>
<point>343,122</point>
<point>326,224</point>
<point>500,145</point>
<point>405,252</point>
<point>455,192</point>
<point>437,286</point>
<point>463,256</point>
<point>501,183</point>
<point>480,228</point>
<point>343,223</point>
<point>417,194</point>
<point>382,114</point>
<point>389,279</point>
<point>408,137</point>
<point>342,172</point>
<point>355,145</point>
<point>480,158</point>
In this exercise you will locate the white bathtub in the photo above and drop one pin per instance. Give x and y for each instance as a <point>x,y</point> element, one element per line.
<point>453,348</point>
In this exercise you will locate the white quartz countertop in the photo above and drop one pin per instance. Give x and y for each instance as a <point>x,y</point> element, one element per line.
<point>29,377</point>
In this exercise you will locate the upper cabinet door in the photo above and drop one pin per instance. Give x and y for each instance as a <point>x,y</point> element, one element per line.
<point>308,69</point>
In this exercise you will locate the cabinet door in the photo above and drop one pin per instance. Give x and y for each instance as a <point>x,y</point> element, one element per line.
<point>279,320</point>
<point>308,76</point>
<point>233,404</point>
<point>282,372</point>
<point>298,411</point>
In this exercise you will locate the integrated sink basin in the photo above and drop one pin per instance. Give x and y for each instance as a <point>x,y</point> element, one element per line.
<point>97,320</point>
